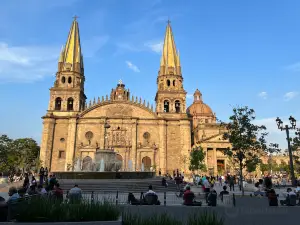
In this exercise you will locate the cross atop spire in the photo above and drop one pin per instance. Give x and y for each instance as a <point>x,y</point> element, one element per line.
<point>75,17</point>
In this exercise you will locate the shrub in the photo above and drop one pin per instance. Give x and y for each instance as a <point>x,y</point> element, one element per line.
<point>163,219</point>
<point>205,219</point>
<point>41,209</point>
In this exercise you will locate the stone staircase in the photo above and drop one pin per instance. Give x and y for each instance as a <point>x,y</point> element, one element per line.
<point>114,185</point>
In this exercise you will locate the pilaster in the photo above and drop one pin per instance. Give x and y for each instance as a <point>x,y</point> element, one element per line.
<point>215,161</point>
<point>47,142</point>
<point>162,152</point>
<point>71,142</point>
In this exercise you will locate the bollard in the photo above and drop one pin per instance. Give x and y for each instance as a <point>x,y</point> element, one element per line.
<point>67,197</point>
<point>165,198</point>
<point>141,198</point>
<point>117,197</point>
<point>92,197</point>
<point>233,199</point>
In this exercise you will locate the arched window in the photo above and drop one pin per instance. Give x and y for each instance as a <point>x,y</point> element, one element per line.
<point>69,80</point>
<point>174,82</point>
<point>168,83</point>
<point>58,103</point>
<point>63,80</point>
<point>70,104</point>
<point>166,106</point>
<point>177,106</point>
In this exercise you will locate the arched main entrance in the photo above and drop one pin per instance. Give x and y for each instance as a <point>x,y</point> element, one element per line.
<point>147,163</point>
<point>87,163</point>
<point>119,162</point>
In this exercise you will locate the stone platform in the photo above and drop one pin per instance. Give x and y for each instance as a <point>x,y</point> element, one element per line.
<point>104,175</point>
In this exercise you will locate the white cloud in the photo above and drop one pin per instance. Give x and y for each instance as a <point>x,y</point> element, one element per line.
<point>26,63</point>
<point>290,95</point>
<point>294,67</point>
<point>263,95</point>
<point>132,66</point>
<point>155,47</point>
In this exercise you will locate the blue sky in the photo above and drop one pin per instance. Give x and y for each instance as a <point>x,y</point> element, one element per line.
<point>236,52</point>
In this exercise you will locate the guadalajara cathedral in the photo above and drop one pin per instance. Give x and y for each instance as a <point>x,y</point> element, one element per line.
<point>160,137</point>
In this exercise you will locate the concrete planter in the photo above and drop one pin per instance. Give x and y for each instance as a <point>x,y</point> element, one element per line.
<point>71,223</point>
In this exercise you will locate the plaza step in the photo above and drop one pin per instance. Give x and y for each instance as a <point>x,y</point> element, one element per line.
<point>132,185</point>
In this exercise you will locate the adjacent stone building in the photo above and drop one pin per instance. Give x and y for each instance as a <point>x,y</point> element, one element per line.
<point>160,137</point>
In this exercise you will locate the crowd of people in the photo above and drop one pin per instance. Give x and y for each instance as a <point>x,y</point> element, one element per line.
<point>47,186</point>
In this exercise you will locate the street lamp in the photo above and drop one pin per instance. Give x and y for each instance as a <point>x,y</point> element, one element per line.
<point>287,128</point>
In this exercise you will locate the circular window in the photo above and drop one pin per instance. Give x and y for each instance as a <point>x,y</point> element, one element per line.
<point>89,135</point>
<point>146,135</point>
<point>62,140</point>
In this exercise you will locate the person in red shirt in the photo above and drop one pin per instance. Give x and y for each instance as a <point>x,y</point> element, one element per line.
<point>188,196</point>
<point>58,193</point>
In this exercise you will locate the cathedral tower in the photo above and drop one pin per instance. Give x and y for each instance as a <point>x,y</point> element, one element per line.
<point>170,96</point>
<point>67,95</point>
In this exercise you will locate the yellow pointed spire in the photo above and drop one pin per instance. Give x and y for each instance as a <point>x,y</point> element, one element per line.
<point>72,50</point>
<point>169,62</point>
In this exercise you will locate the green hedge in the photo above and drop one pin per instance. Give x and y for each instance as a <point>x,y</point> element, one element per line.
<point>165,219</point>
<point>47,210</point>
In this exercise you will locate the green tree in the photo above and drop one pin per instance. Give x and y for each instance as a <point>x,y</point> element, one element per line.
<point>197,157</point>
<point>19,154</point>
<point>247,139</point>
<point>5,152</point>
<point>27,151</point>
<point>264,167</point>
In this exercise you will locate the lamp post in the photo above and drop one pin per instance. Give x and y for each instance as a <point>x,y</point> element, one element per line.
<point>106,126</point>
<point>287,128</point>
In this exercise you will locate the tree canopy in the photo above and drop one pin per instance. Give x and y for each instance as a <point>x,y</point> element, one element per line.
<point>197,157</point>
<point>247,139</point>
<point>19,154</point>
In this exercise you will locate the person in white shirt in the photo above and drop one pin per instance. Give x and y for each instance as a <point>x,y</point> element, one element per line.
<point>150,191</point>
<point>290,198</point>
<point>75,194</point>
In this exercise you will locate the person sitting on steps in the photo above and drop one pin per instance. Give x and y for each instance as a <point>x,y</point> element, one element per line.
<point>189,198</point>
<point>212,198</point>
<point>291,198</point>
<point>224,192</point>
<point>151,197</point>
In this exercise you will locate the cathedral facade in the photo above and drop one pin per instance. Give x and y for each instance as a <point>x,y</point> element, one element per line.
<point>159,137</point>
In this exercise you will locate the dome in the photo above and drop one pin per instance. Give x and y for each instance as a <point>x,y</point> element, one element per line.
<point>199,108</point>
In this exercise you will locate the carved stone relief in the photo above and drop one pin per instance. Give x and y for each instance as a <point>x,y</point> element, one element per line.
<point>119,110</point>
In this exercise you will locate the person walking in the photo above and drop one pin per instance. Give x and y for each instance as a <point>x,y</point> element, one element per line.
<point>231,183</point>
<point>41,174</point>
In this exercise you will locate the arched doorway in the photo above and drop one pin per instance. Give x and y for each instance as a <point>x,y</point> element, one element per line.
<point>87,163</point>
<point>119,163</point>
<point>147,163</point>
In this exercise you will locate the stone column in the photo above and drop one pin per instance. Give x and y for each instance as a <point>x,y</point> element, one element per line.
<point>185,144</point>
<point>206,156</point>
<point>72,130</point>
<point>47,142</point>
<point>133,155</point>
<point>215,161</point>
<point>162,153</point>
